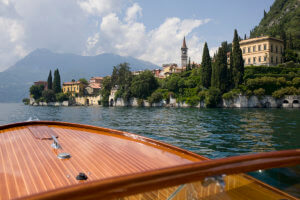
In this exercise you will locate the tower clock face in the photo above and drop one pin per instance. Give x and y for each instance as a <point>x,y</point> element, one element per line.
<point>183,52</point>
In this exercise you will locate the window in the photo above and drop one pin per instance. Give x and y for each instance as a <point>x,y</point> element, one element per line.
<point>265,47</point>
<point>254,48</point>
<point>249,60</point>
<point>265,58</point>
<point>271,48</point>
<point>249,49</point>
<point>271,59</point>
<point>244,50</point>
<point>259,47</point>
<point>259,59</point>
<point>254,60</point>
<point>276,60</point>
<point>276,49</point>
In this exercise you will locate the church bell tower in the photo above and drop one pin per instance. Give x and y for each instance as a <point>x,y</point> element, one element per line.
<point>184,54</point>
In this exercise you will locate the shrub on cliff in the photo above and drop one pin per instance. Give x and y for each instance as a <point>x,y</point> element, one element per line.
<point>231,94</point>
<point>62,97</point>
<point>259,92</point>
<point>26,101</point>
<point>286,91</point>
<point>156,96</point>
<point>143,85</point>
<point>213,97</point>
<point>296,82</point>
<point>36,91</point>
<point>49,96</point>
<point>269,84</point>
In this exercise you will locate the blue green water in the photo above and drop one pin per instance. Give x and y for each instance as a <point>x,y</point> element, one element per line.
<point>213,133</point>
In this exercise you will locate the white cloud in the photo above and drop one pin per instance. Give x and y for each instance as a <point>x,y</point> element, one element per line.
<point>100,7</point>
<point>133,13</point>
<point>90,27</point>
<point>129,38</point>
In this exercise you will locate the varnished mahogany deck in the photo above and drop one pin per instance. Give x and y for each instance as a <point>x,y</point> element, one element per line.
<point>29,165</point>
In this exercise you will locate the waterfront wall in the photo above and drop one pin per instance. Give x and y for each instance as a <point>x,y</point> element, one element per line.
<point>240,101</point>
<point>87,100</point>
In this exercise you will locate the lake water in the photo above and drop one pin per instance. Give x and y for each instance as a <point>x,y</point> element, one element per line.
<point>213,133</point>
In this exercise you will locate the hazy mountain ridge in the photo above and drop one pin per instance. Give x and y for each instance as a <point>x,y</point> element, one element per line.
<point>16,80</point>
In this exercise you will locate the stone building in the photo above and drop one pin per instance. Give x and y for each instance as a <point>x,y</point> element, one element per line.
<point>73,87</point>
<point>184,54</point>
<point>262,51</point>
<point>44,83</point>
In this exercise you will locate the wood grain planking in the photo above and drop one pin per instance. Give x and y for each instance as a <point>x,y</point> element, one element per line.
<point>42,132</point>
<point>4,186</point>
<point>36,168</point>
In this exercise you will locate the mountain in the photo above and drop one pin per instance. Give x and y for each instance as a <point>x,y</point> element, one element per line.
<point>283,16</point>
<point>16,80</point>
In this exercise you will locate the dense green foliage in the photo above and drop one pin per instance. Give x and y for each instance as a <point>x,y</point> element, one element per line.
<point>49,81</point>
<point>122,77</point>
<point>206,68</point>
<point>213,97</point>
<point>83,81</point>
<point>219,77</point>
<point>56,82</point>
<point>284,16</point>
<point>286,91</point>
<point>36,91</point>
<point>143,85</point>
<point>105,91</point>
<point>26,101</point>
<point>237,61</point>
<point>231,94</point>
<point>62,97</point>
<point>48,96</point>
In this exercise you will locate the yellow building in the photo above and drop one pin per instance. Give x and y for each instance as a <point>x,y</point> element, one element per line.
<point>262,51</point>
<point>74,87</point>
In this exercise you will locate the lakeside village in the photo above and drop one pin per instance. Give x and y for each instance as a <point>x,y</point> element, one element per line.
<point>254,72</point>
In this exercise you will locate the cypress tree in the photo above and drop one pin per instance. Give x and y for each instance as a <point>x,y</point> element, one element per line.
<point>206,67</point>
<point>56,82</point>
<point>188,68</point>
<point>237,61</point>
<point>219,70</point>
<point>265,14</point>
<point>49,81</point>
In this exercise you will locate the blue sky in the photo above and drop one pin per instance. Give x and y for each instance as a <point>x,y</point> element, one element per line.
<point>151,30</point>
<point>225,15</point>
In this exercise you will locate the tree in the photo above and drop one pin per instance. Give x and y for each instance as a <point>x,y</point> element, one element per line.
<point>49,96</point>
<point>143,85</point>
<point>219,70</point>
<point>36,91</point>
<point>83,81</point>
<point>122,77</point>
<point>245,37</point>
<point>206,67</point>
<point>265,14</point>
<point>56,82</point>
<point>237,61</point>
<point>49,81</point>
<point>189,67</point>
<point>105,90</point>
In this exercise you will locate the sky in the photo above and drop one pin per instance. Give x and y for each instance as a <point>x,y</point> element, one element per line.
<point>150,30</point>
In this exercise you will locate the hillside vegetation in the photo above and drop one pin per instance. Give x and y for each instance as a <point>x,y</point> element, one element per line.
<point>282,18</point>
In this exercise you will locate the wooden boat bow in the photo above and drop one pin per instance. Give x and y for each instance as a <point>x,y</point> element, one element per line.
<point>55,160</point>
